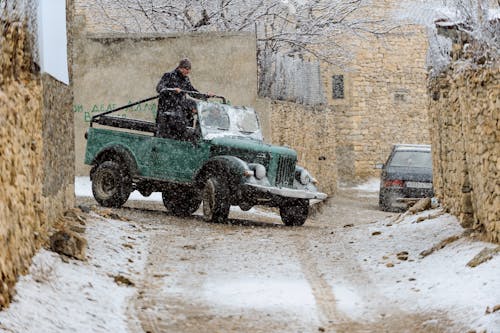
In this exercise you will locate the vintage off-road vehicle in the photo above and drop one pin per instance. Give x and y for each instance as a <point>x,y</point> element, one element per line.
<point>225,163</point>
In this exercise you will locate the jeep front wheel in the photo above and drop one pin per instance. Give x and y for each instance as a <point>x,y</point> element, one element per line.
<point>111,185</point>
<point>215,201</point>
<point>294,213</point>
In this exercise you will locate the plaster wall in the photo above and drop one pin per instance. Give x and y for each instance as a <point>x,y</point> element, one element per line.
<point>111,70</point>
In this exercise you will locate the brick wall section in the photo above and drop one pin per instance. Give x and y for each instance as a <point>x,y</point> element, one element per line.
<point>21,212</point>
<point>308,131</point>
<point>465,121</point>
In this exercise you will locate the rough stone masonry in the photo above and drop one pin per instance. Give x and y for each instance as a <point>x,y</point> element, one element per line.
<point>21,213</point>
<point>465,127</point>
<point>36,151</point>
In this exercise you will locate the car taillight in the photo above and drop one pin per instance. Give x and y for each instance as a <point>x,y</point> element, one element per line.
<point>394,183</point>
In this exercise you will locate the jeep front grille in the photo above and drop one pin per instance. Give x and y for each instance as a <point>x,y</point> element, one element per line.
<point>286,171</point>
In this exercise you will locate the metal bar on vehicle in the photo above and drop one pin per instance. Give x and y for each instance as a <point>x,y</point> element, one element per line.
<point>94,118</point>
<point>199,94</point>
<point>121,108</point>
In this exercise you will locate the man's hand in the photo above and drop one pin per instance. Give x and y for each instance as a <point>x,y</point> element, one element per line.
<point>167,90</point>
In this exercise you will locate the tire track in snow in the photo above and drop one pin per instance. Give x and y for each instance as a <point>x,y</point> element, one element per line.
<point>322,291</point>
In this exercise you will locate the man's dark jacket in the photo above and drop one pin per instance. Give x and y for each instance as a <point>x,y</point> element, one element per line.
<point>174,109</point>
<point>169,100</point>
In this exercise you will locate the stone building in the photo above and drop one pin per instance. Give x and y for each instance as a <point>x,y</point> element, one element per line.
<point>379,96</point>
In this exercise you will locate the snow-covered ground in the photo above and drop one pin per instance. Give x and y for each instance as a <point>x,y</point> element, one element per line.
<point>76,296</point>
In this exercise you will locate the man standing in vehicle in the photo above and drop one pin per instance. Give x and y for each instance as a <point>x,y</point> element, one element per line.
<point>175,111</point>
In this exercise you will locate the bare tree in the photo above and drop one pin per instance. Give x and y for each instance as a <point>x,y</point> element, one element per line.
<point>294,25</point>
<point>477,20</point>
<point>307,29</point>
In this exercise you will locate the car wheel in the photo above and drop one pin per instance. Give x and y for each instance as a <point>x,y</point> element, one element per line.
<point>295,214</point>
<point>386,203</point>
<point>215,201</point>
<point>111,185</point>
<point>382,202</point>
<point>182,202</point>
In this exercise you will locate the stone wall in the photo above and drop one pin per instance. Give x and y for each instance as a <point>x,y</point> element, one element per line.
<point>58,163</point>
<point>21,209</point>
<point>465,120</point>
<point>36,153</point>
<point>309,131</point>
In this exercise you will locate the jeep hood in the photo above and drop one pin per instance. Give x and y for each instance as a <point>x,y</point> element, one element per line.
<point>229,144</point>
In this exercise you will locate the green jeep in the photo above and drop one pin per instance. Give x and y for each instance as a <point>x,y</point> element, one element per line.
<point>226,163</point>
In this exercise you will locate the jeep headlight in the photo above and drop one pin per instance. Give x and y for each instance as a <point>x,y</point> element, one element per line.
<point>305,177</point>
<point>260,171</point>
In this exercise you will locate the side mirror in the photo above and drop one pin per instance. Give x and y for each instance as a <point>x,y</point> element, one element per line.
<point>379,166</point>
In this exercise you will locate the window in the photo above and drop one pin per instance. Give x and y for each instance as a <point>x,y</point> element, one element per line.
<point>338,86</point>
<point>411,159</point>
<point>401,96</point>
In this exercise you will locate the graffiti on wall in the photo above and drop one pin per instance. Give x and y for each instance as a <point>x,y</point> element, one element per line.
<point>87,112</point>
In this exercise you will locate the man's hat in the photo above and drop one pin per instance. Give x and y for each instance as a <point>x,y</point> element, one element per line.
<point>185,63</point>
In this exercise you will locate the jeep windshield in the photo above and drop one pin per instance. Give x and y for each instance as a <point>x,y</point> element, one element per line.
<point>218,120</point>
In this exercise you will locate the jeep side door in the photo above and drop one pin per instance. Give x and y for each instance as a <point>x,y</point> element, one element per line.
<point>177,160</point>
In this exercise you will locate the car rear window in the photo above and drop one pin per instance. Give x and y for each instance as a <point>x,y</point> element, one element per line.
<point>411,159</point>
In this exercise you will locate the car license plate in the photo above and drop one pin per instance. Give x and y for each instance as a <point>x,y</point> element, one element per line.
<point>418,185</point>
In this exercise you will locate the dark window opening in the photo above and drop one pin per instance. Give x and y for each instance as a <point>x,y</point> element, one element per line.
<point>338,86</point>
<point>401,96</point>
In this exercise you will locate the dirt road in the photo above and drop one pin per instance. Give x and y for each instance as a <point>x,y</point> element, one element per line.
<point>256,275</point>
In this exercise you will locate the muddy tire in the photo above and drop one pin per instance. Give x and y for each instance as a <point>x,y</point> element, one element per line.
<point>215,200</point>
<point>382,203</point>
<point>111,185</point>
<point>386,203</point>
<point>183,202</point>
<point>295,214</point>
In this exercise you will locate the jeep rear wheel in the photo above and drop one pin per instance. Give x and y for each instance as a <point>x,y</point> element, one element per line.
<point>111,185</point>
<point>295,213</point>
<point>215,200</point>
<point>181,202</point>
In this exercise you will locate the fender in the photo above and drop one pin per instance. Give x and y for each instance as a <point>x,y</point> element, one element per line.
<point>118,153</point>
<point>230,167</point>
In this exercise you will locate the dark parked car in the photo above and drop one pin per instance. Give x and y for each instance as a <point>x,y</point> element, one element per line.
<point>406,176</point>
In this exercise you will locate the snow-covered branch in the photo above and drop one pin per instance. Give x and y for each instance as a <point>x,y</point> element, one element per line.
<point>306,23</point>
<point>476,23</point>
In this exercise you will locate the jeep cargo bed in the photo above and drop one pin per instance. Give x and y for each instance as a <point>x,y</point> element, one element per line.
<point>133,124</point>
